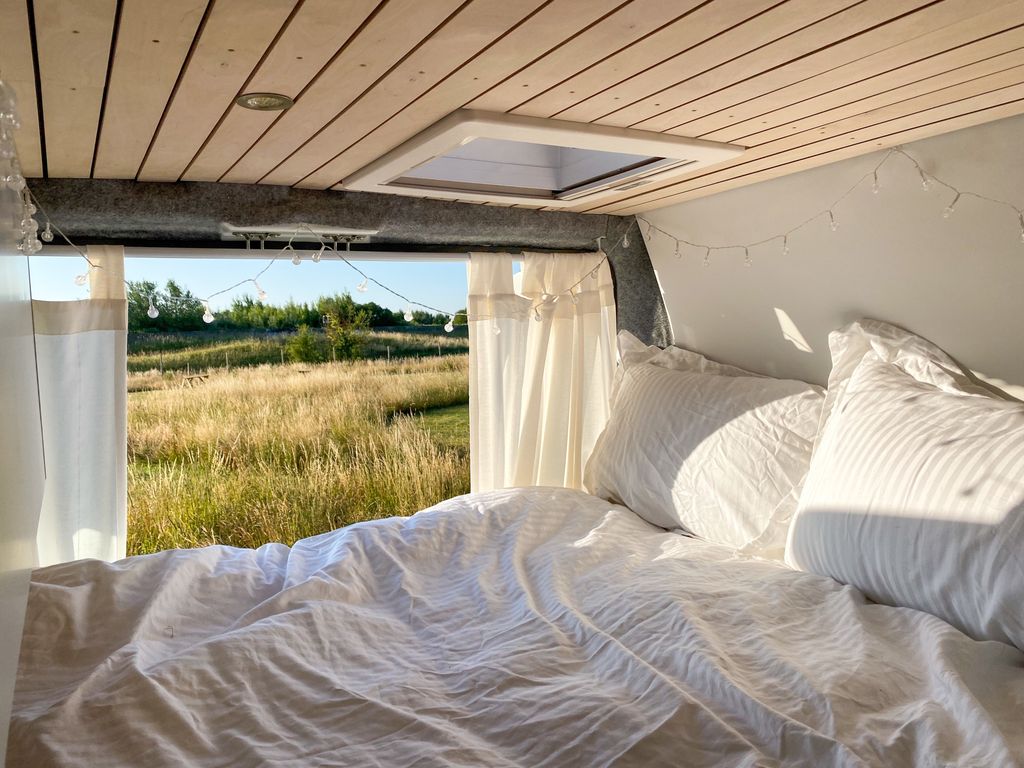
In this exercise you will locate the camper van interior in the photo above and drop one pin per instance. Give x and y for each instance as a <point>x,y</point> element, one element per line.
<point>745,379</point>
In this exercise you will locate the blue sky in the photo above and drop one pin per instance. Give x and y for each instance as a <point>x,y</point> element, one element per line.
<point>438,283</point>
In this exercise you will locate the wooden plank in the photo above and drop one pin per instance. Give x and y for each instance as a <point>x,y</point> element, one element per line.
<point>626,25</point>
<point>794,53</point>
<point>73,41</point>
<point>870,28</point>
<point>314,36</point>
<point>153,40</point>
<point>777,122</point>
<point>398,28</point>
<point>916,51</point>
<point>870,130</point>
<point>810,143</point>
<point>541,32</point>
<point>967,120</point>
<point>965,74</point>
<point>18,70</point>
<point>705,23</point>
<point>466,34</point>
<point>231,43</point>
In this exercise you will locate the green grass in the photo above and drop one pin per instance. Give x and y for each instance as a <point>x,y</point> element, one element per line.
<point>203,351</point>
<point>278,453</point>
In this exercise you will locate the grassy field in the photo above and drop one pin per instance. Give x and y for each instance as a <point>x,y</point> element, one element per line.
<point>202,351</point>
<point>277,453</point>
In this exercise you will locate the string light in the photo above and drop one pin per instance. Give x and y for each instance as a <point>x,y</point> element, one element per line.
<point>317,256</point>
<point>746,257</point>
<point>296,259</point>
<point>408,314</point>
<point>208,316</point>
<point>927,181</point>
<point>47,234</point>
<point>949,208</point>
<point>260,293</point>
<point>679,255</point>
<point>82,279</point>
<point>152,312</point>
<point>450,325</point>
<point>363,286</point>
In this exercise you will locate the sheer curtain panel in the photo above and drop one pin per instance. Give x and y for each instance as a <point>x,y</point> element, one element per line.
<point>541,363</point>
<point>81,348</point>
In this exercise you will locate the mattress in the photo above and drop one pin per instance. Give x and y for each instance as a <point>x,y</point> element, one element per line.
<point>534,627</point>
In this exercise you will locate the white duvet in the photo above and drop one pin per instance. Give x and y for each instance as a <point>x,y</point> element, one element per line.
<point>532,628</point>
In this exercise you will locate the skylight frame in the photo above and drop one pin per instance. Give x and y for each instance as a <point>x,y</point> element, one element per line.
<point>388,174</point>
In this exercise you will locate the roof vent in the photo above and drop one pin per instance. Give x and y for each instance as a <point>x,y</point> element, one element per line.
<point>491,157</point>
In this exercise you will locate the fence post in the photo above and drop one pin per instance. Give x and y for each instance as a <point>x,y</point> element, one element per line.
<point>282,354</point>
<point>226,365</point>
<point>161,362</point>
<point>389,353</point>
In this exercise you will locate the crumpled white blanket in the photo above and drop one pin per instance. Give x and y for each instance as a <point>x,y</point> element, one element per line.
<point>534,627</point>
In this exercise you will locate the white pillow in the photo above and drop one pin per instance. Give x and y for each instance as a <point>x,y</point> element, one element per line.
<point>719,455</point>
<point>916,490</point>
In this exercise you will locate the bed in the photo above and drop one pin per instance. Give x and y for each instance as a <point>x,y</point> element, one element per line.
<point>530,627</point>
<point>765,573</point>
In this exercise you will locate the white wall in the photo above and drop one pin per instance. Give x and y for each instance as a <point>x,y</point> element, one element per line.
<point>958,282</point>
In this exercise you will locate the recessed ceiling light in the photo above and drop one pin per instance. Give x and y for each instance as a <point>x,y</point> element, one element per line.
<point>264,102</point>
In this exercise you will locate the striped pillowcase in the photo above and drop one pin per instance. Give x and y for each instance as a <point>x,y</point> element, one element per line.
<point>916,497</point>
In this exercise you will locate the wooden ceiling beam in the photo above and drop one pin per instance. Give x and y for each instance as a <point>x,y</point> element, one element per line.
<point>153,41</point>
<point>73,41</point>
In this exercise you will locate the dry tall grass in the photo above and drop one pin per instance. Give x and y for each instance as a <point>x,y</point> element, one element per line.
<point>277,453</point>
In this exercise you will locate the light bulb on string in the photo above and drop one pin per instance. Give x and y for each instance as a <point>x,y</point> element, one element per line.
<point>208,316</point>
<point>450,325</point>
<point>573,297</point>
<point>363,286</point>
<point>785,245</point>
<point>746,257</point>
<point>625,240</point>
<point>679,255</point>
<point>949,208</point>
<point>874,183</point>
<point>260,293</point>
<point>536,314</point>
<point>408,314</point>
<point>82,279</point>
<point>153,313</point>
<point>926,183</point>
<point>47,234</point>
<point>707,256</point>
<point>832,223</point>
<point>1020,217</point>
<point>296,259</point>
<point>319,254</point>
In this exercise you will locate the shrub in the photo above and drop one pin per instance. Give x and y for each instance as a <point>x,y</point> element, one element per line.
<point>304,347</point>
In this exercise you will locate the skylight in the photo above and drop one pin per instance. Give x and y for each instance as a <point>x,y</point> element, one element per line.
<point>505,158</point>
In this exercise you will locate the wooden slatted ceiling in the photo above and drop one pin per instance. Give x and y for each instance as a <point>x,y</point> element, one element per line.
<point>144,88</point>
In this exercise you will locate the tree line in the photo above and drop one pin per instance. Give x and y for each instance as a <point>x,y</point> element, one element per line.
<point>179,310</point>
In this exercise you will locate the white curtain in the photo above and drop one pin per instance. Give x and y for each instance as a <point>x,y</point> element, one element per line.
<point>541,366</point>
<point>81,349</point>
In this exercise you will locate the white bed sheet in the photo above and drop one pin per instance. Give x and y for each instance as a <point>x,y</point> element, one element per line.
<point>539,627</point>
